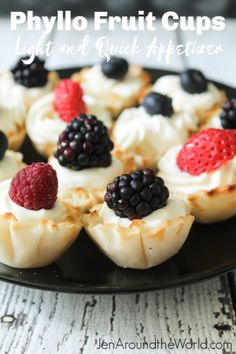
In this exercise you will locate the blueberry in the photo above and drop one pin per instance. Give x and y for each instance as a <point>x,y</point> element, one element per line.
<point>193,81</point>
<point>116,68</point>
<point>155,103</point>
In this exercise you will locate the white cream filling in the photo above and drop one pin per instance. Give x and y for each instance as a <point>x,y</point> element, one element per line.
<point>12,114</point>
<point>185,183</point>
<point>136,129</point>
<point>214,122</point>
<point>44,125</point>
<point>9,88</point>
<point>10,164</point>
<point>172,211</point>
<point>56,214</point>
<point>98,85</point>
<point>182,100</point>
<point>90,178</point>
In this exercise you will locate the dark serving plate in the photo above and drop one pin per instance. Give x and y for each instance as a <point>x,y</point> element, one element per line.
<point>208,251</point>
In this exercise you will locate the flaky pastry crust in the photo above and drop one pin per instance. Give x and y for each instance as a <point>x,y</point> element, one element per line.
<point>137,246</point>
<point>36,245</point>
<point>115,103</point>
<point>215,205</point>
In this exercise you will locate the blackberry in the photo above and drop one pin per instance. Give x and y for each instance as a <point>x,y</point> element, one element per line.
<point>156,103</point>
<point>84,143</point>
<point>193,81</point>
<point>116,68</point>
<point>228,114</point>
<point>32,75</point>
<point>3,144</point>
<point>136,195</point>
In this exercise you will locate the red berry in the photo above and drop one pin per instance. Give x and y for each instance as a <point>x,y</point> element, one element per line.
<point>35,187</point>
<point>68,100</point>
<point>207,151</point>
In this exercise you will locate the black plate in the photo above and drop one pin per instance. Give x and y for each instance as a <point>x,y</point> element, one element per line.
<point>208,251</point>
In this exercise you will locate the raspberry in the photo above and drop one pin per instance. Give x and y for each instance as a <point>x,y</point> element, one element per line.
<point>228,114</point>
<point>136,195</point>
<point>207,151</point>
<point>35,187</point>
<point>32,75</point>
<point>68,100</point>
<point>84,143</point>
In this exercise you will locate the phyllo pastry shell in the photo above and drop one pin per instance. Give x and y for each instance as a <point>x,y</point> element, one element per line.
<point>29,238</point>
<point>211,196</point>
<point>84,189</point>
<point>44,124</point>
<point>116,95</point>
<point>141,138</point>
<point>204,104</point>
<point>215,205</point>
<point>143,243</point>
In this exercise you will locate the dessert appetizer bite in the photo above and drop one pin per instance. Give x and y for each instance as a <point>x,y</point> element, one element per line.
<point>12,121</point>
<point>10,162</point>
<point>226,117</point>
<point>36,227</point>
<point>49,116</point>
<point>27,82</point>
<point>139,225</point>
<point>84,163</point>
<point>116,83</point>
<point>142,135</point>
<point>203,172</point>
<point>191,91</point>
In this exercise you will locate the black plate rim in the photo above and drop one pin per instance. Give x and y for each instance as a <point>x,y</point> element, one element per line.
<point>99,290</point>
<point>72,287</point>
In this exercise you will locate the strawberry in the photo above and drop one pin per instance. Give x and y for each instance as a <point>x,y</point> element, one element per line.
<point>207,151</point>
<point>68,100</point>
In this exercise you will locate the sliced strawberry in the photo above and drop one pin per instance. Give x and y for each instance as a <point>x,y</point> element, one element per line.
<point>207,151</point>
<point>68,100</point>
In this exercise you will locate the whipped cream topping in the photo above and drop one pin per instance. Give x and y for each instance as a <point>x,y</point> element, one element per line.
<point>151,135</point>
<point>56,214</point>
<point>12,114</point>
<point>98,85</point>
<point>182,100</point>
<point>44,125</point>
<point>90,178</point>
<point>10,164</point>
<point>173,210</point>
<point>184,183</point>
<point>9,88</point>
<point>214,122</point>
